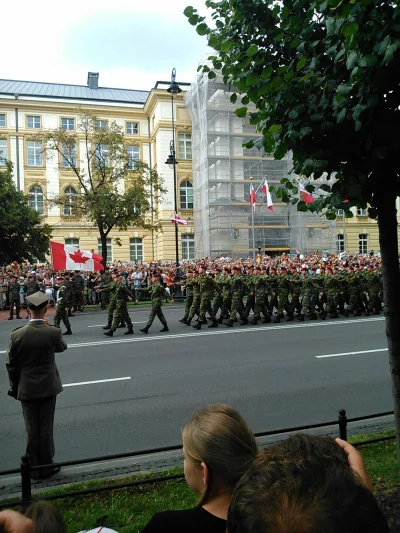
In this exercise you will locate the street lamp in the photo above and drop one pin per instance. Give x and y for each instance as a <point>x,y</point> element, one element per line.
<point>173,90</point>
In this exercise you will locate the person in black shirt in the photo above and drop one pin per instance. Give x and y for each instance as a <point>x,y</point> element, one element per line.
<point>218,448</point>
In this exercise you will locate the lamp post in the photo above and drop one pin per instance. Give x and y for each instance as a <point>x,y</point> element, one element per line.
<point>173,90</point>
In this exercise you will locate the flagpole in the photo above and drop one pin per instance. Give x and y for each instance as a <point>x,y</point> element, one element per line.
<point>252,225</point>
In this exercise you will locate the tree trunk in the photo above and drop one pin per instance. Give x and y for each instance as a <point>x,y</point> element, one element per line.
<point>103,238</point>
<point>387,222</point>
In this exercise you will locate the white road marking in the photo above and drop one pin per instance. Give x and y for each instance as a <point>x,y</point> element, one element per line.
<point>226,331</point>
<point>94,382</point>
<point>350,353</point>
<point>101,325</point>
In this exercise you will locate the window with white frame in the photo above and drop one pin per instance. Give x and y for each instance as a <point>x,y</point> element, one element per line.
<point>101,156</point>
<point>340,243</point>
<point>35,153</point>
<point>72,242</point>
<point>362,213</point>
<point>70,195</point>
<point>363,243</point>
<point>188,246</point>
<point>68,124</point>
<point>100,125</point>
<point>184,146</point>
<point>340,212</point>
<point>109,249</point>
<point>186,195</point>
<point>34,123</point>
<point>132,156</point>
<point>132,128</point>
<point>3,152</point>
<point>136,249</point>
<point>2,120</point>
<point>68,158</point>
<point>36,199</point>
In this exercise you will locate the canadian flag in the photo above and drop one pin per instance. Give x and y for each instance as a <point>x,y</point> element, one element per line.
<point>68,257</point>
<point>178,220</point>
<point>305,196</point>
<point>253,197</point>
<point>265,191</point>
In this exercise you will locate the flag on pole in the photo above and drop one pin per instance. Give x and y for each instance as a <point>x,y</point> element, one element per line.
<point>253,197</point>
<point>305,196</point>
<point>68,257</point>
<point>178,220</point>
<point>265,191</point>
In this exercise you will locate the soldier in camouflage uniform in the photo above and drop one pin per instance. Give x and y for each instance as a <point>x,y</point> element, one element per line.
<point>331,292</point>
<point>354,296</point>
<point>188,285</point>
<point>30,287</point>
<point>61,313</point>
<point>218,296</point>
<point>78,286</point>
<point>123,294</point>
<point>374,279</point>
<point>308,293</point>
<point>105,279</point>
<point>69,297</point>
<point>157,293</point>
<point>111,289</point>
<point>207,285</point>
<point>250,304</point>
<point>284,288</point>
<point>225,284</point>
<point>13,291</point>
<point>237,289</point>
<point>196,298</point>
<point>260,289</point>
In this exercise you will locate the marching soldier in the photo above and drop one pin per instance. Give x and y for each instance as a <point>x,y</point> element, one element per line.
<point>188,285</point>
<point>61,312</point>
<point>78,287</point>
<point>157,292</point>
<point>207,284</point>
<point>123,294</point>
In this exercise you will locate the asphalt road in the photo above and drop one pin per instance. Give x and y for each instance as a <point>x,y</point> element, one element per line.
<point>272,373</point>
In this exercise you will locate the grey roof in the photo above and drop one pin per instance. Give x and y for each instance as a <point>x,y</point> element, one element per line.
<point>75,92</point>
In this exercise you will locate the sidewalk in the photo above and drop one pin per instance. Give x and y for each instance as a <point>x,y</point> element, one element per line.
<point>10,487</point>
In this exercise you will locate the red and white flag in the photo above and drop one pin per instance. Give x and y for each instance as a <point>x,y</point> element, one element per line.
<point>68,257</point>
<point>305,196</point>
<point>253,197</point>
<point>265,191</point>
<point>178,220</point>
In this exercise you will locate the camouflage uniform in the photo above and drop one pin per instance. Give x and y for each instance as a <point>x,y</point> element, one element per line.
<point>308,292</point>
<point>260,289</point>
<point>218,296</point>
<point>206,284</point>
<point>237,289</point>
<point>157,293</point>
<point>78,286</point>
<point>354,294</point>
<point>13,291</point>
<point>61,313</point>
<point>196,300</point>
<point>105,280</point>
<point>331,291</point>
<point>374,286</point>
<point>189,298</point>
<point>225,284</point>
<point>284,288</point>
<point>121,309</point>
<point>250,304</point>
<point>111,289</point>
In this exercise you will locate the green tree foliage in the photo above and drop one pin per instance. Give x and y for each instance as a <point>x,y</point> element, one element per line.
<point>115,190</point>
<point>22,236</point>
<point>323,77</point>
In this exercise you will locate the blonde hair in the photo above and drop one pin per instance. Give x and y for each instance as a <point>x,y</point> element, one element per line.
<point>221,438</point>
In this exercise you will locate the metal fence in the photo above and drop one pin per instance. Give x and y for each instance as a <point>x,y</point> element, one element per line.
<point>26,469</point>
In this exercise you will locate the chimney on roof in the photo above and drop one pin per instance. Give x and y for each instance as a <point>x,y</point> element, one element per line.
<point>93,80</point>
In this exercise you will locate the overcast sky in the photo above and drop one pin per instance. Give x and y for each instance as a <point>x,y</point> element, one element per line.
<point>131,43</point>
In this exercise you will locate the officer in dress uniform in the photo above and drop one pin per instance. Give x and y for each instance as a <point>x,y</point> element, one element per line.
<point>35,381</point>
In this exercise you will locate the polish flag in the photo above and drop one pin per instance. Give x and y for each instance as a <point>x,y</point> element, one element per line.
<point>68,257</point>
<point>265,191</point>
<point>252,197</point>
<point>178,220</point>
<point>305,196</point>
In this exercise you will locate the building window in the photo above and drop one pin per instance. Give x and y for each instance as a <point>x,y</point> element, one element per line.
<point>109,249</point>
<point>101,156</point>
<point>36,200</point>
<point>136,249</point>
<point>70,195</point>
<point>362,213</point>
<point>68,156</point>
<point>188,246</point>
<point>72,242</point>
<point>34,123</point>
<point>35,156</point>
<point>340,243</point>
<point>339,212</point>
<point>3,152</point>
<point>132,128</point>
<point>2,120</point>
<point>132,157</point>
<point>100,125</point>
<point>68,123</point>
<point>363,243</point>
<point>184,146</point>
<point>186,194</point>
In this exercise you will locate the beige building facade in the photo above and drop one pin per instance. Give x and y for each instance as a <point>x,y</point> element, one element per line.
<point>27,108</point>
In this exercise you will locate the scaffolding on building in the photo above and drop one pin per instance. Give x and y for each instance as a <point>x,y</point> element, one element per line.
<point>223,170</point>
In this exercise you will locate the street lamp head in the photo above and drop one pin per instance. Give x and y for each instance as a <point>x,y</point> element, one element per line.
<point>174,88</point>
<point>170,161</point>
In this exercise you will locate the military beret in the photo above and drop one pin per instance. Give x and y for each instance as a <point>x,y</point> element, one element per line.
<point>37,299</point>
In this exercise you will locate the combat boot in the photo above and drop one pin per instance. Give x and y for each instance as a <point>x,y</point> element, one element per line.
<point>198,325</point>
<point>300,318</point>
<point>289,318</point>
<point>244,322</point>
<point>322,315</point>
<point>214,324</point>
<point>188,322</point>
<point>107,326</point>
<point>144,330</point>
<point>70,314</point>
<point>253,322</point>
<point>367,313</point>
<point>183,320</point>
<point>68,332</point>
<point>165,328</point>
<point>313,317</point>
<point>121,325</point>
<point>129,331</point>
<point>334,315</point>
<point>277,319</point>
<point>219,320</point>
<point>267,320</point>
<point>109,333</point>
<point>229,323</point>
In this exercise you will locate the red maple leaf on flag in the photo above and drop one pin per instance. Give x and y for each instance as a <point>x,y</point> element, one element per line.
<point>77,257</point>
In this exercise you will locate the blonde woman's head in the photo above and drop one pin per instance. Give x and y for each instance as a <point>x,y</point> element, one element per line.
<point>218,448</point>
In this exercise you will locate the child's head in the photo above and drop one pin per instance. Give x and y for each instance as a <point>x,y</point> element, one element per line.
<point>46,517</point>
